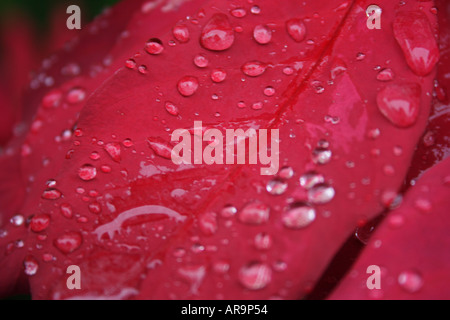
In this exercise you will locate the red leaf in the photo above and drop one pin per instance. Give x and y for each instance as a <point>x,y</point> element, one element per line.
<point>411,246</point>
<point>153,229</point>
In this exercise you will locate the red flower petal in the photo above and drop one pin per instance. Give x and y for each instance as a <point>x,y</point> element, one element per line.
<point>174,223</point>
<point>410,247</point>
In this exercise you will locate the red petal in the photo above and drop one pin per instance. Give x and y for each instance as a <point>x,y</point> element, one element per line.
<point>174,223</point>
<point>410,247</point>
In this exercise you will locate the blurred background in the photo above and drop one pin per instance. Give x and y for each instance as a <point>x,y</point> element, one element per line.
<point>29,31</point>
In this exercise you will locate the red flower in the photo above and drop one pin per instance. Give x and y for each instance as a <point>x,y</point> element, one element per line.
<point>87,179</point>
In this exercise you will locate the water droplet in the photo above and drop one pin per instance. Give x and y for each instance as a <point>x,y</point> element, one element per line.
<point>113,150</point>
<point>181,33</point>
<point>143,69</point>
<point>154,46</point>
<point>310,179</point>
<point>255,10</point>
<point>286,173</point>
<point>52,99</point>
<point>171,108</point>
<point>276,186</point>
<point>221,267</point>
<point>263,241</point>
<point>160,147</point>
<point>321,194</point>
<point>17,220</point>
<point>391,199</point>
<point>385,75</point>
<point>218,34</point>
<point>322,155</point>
<point>208,223</point>
<point>288,71</point>
<point>39,222</point>
<point>269,91</point>
<point>130,64</point>
<point>254,68</point>
<point>415,36</point>
<point>296,29</point>
<point>238,12</point>
<point>411,281</point>
<point>400,103</point>
<point>228,211</point>
<point>68,242</point>
<point>255,276</point>
<point>66,210</point>
<point>254,213</point>
<point>76,95</point>
<point>30,265</point>
<point>262,34</point>
<point>218,75</point>
<point>51,194</point>
<point>87,172</point>
<point>360,56</point>
<point>298,216</point>
<point>423,205</point>
<point>201,61</point>
<point>187,86</point>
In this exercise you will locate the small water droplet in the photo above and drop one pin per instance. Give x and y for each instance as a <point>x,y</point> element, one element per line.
<point>321,156</point>
<point>68,242</point>
<point>423,205</point>
<point>30,265</point>
<point>238,12</point>
<point>276,186</point>
<point>187,86</point>
<point>76,95</point>
<point>66,210</point>
<point>87,172</point>
<point>310,179</point>
<point>171,108</point>
<point>298,216</point>
<point>255,10</point>
<point>113,150</point>
<point>255,276</point>
<point>208,223</point>
<point>262,34</point>
<point>228,211</point>
<point>201,61</point>
<point>17,220</point>
<point>288,71</point>
<point>51,194</point>
<point>254,213</point>
<point>154,46</point>
<point>39,222</point>
<point>269,91</point>
<point>286,173</point>
<point>52,99</point>
<point>263,241</point>
<point>218,75</point>
<point>143,69</point>
<point>296,29</point>
<point>254,68</point>
<point>321,193</point>
<point>411,281</point>
<point>181,33</point>
<point>130,64</point>
<point>385,75</point>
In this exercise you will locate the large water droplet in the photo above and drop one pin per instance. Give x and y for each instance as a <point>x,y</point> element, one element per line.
<point>298,216</point>
<point>187,86</point>
<point>296,29</point>
<point>254,213</point>
<point>400,103</point>
<point>218,34</point>
<point>255,276</point>
<point>262,34</point>
<point>413,33</point>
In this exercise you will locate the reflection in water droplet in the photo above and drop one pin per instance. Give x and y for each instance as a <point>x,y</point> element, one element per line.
<point>218,34</point>
<point>201,61</point>
<point>30,266</point>
<point>218,75</point>
<point>238,12</point>
<point>154,46</point>
<point>17,220</point>
<point>310,179</point>
<point>87,172</point>
<point>181,33</point>
<point>68,242</point>
<point>39,222</point>
<point>254,68</point>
